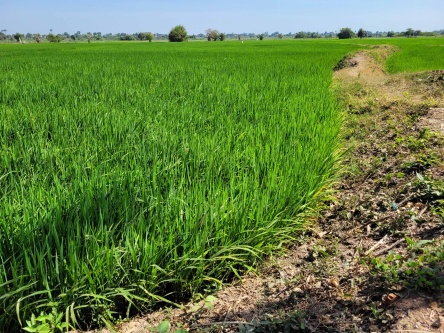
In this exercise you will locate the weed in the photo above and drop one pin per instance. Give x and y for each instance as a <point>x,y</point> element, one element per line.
<point>421,268</point>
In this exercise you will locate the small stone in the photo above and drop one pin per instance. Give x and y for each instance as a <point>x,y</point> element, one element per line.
<point>390,298</point>
<point>436,323</point>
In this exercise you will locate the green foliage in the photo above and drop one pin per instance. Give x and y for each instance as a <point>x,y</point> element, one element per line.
<point>421,268</point>
<point>47,323</point>
<point>212,35</point>
<point>346,33</point>
<point>302,34</point>
<point>53,38</point>
<point>261,37</point>
<point>127,37</point>
<point>145,36</point>
<point>178,34</point>
<point>409,32</point>
<point>165,327</point>
<point>362,33</point>
<point>108,167</point>
<point>18,37</point>
<point>428,190</point>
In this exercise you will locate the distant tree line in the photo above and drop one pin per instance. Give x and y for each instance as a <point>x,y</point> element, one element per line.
<point>179,33</point>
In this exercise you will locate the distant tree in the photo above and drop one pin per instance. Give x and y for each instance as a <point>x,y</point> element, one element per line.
<point>53,38</point>
<point>37,38</point>
<point>222,36</point>
<point>362,33</point>
<point>391,34</point>
<point>28,35</point>
<point>280,36</point>
<point>261,36</point>
<point>178,34</point>
<point>212,34</point>
<point>409,32</point>
<point>127,37</point>
<point>238,37</point>
<point>300,34</point>
<point>2,36</point>
<point>18,37</point>
<point>346,33</point>
<point>417,33</point>
<point>73,37</point>
<point>145,36</point>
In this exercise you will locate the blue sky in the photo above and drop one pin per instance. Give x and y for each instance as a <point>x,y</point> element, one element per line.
<point>227,15</point>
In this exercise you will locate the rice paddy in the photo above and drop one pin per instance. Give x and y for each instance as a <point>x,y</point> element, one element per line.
<point>137,173</point>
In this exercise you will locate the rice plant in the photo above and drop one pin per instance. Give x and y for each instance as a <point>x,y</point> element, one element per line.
<point>137,174</point>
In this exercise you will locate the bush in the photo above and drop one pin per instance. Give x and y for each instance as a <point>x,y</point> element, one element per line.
<point>362,33</point>
<point>18,37</point>
<point>127,37</point>
<point>145,36</point>
<point>346,33</point>
<point>53,38</point>
<point>178,34</point>
<point>212,35</point>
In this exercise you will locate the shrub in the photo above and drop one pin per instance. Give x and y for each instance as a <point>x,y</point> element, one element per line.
<point>346,33</point>
<point>178,34</point>
<point>53,38</point>
<point>145,36</point>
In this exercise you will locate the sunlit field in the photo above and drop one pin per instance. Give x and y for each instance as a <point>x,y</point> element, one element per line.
<point>138,173</point>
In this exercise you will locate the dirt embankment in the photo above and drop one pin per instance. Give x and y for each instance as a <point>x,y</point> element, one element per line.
<point>338,277</point>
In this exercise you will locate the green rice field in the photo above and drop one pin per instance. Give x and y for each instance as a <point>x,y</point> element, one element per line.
<point>139,173</point>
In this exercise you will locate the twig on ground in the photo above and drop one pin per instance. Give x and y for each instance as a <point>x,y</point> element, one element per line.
<point>378,253</point>
<point>422,211</point>
<point>405,199</point>
<point>381,241</point>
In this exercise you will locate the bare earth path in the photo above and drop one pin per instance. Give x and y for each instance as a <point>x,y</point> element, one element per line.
<point>327,282</point>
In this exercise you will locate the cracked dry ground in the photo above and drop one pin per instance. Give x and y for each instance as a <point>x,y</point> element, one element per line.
<point>385,204</point>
